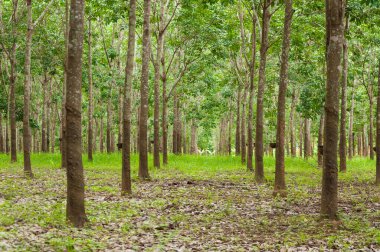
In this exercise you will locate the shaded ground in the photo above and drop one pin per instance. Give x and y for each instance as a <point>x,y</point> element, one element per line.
<point>220,209</point>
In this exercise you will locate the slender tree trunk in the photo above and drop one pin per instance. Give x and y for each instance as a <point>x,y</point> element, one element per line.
<point>108,130</point>
<point>378,132</point>
<point>279,183</point>
<point>63,122</point>
<point>334,28</point>
<point>43,118</point>
<point>53,127</point>
<point>370,136</point>
<point>293,146</point>
<point>301,137</point>
<point>121,102</point>
<point>27,87</point>
<point>320,140</point>
<point>94,147</point>
<point>126,187</point>
<point>193,145</point>
<point>259,154</point>
<point>90,94</point>
<point>7,149</point>
<point>184,136</point>
<point>164,114</point>
<point>75,210</point>
<point>12,83</point>
<point>101,137</point>
<point>251,94</point>
<point>230,121</point>
<point>343,109</point>
<point>243,128</point>
<point>237,135</point>
<point>144,92</point>
<point>157,73</point>
<point>1,133</point>
<point>351,139</point>
<point>306,148</point>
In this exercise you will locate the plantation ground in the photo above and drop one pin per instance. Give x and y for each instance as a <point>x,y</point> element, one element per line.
<point>194,204</point>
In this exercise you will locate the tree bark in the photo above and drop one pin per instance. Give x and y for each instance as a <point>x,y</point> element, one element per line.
<point>27,87</point>
<point>126,187</point>
<point>144,93</point>
<point>64,87</point>
<point>90,94</point>
<point>75,209</point>
<point>193,147</point>
<point>164,113</point>
<point>12,83</point>
<point>293,146</point>
<point>237,135</point>
<point>157,73</point>
<point>329,199</point>
<point>1,133</point>
<point>243,128</point>
<point>378,132</point>
<point>343,109</point>
<point>251,94</point>
<point>101,136</point>
<point>301,137</point>
<point>370,136</point>
<point>306,148</point>
<point>351,139</point>
<point>320,140</point>
<point>43,117</point>
<point>259,154</point>
<point>279,182</point>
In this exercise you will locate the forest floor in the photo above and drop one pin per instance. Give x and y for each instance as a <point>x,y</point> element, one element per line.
<point>196,203</point>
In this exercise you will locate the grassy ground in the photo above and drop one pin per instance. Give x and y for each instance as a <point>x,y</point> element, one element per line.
<point>196,203</point>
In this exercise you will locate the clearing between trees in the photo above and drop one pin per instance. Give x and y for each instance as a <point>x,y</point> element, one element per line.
<point>196,203</point>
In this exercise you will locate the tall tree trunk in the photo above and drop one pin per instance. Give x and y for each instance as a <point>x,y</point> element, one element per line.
<point>27,87</point>
<point>101,137</point>
<point>193,147</point>
<point>43,117</point>
<point>120,117</point>
<point>7,149</point>
<point>306,148</point>
<point>243,128</point>
<point>144,92</point>
<point>90,94</point>
<point>279,182</point>
<point>293,146</point>
<point>343,109</point>
<point>63,120</point>
<point>237,135</point>
<point>157,73</point>
<point>1,133</point>
<point>75,210</point>
<point>334,28</point>
<point>378,132</point>
<point>320,140</point>
<point>53,126</point>
<point>12,83</point>
<point>351,139</point>
<point>109,121</point>
<point>370,136</point>
<point>164,113</point>
<point>251,94</point>
<point>230,119</point>
<point>301,137</point>
<point>184,136</point>
<point>126,187</point>
<point>259,154</point>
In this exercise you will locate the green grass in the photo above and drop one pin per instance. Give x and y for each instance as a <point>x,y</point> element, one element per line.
<point>195,202</point>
